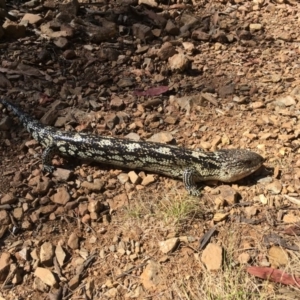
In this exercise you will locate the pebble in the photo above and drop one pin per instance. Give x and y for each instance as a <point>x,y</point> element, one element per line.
<point>62,196</point>
<point>73,241</point>
<point>45,276</point>
<point>212,257</point>
<point>274,187</point>
<point>278,257</point>
<point>168,245</point>
<point>46,254</point>
<point>151,277</point>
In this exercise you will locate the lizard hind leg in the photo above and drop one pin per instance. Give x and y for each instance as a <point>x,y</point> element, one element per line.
<point>47,156</point>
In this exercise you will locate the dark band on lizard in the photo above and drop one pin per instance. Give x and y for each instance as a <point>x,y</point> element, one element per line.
<point>192,166</point>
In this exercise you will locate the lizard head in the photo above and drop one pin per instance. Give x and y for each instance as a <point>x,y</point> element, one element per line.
<point>235,164</point>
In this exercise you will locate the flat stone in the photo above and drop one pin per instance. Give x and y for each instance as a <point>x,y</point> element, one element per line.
<point>141,31</point>
<point>168,245</point>
<point>148,180</point>
<point>46,276</point>
<point>274,187</point>
<point>47,254</point>
<point>151,277</point>
<point>9,198</point>
<point>73,241</point>
<point>229,194</point>
<point>117,103</point>
<point>32,18</point>
<point>5,261</point>
<point>161,137</point>
<point>62,196</point>
<point>14,30</point>
<point>123,178</point>
<point>212,257</point>
<point>95,186</point>
<point>134,178</point>
<point>244,258</point>
<point>285,101</point>
<point>278,257</point>
<point>178,62</point>
<point>291,218</point>
<point>60,254</point>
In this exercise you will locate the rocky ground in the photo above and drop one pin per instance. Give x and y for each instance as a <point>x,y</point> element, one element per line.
<point>201,74</point>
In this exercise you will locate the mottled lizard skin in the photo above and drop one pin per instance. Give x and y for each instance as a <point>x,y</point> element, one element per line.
<point>191,166</point>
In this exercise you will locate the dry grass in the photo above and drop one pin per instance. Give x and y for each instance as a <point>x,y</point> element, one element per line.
<point>174,207</point>
<point>189,279</point>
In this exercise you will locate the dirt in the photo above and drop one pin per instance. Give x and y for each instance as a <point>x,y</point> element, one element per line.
<point>206,74</point>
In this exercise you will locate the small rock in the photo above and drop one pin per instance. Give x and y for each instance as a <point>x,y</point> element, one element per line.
<point>151,3</point>
<point>60,254</point>
<point>111,293</point>
<point>285,36</point>
<point>62,196</point>
<point>14,30</point>
<point>42,186</point>
<point>9,199</point>
<point>47,254</point>
<point>5,261</point>
<point>255,27</point>
<point>263,199</point>
<point>250,211</point>
<point>178,62</point>
<point>74,282</point>
<point>69,54</point>
<point>134,178</point>
<point>171,28</point>
<point>229,194</point>
<point>285,101</point>
<point>23,254</point>
<point>148,180</point>
<point>274,187</point>
<point>39,285</point>
<point>18,213</point>
<point>244,258</point>
<point>168,245</point>
<point>167,50</point>
<point>111,120</point>
<point>46,276</point>
<point>133,136</point>
<point>200,35</point>
<point>150,277</point>
<point>118,201</point>
<point>218,217</point>
<point>117,103</point>
<point>4,217</point>
<point>161,137</point>
<point>32,18</point>
<point>62,174</point>
<point>141,31</point>
<point>70,7</point>
<point>212,257</point>
<point>278,257</point>
<point>73,241</point>
<point>61,42</point>
<point>95,186</point>
<point>123,178</point>
<point>291,218</point>
<point>188,47</point>
<point>95,206</point>
<point>125,82</point>
<point>171,120</point>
